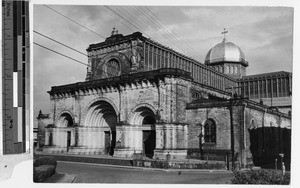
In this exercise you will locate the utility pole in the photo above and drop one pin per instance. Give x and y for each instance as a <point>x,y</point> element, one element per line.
<point>232,126</point>
<point>231,134</point>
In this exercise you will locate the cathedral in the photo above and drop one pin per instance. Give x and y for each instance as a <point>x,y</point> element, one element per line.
<point>141,97</point>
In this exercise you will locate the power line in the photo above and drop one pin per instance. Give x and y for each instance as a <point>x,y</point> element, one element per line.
<point>59,42</point>
<point>101,8</point>
<point>180,44</point>
<point>131,23</point>
<point>121,17</point>
<point>161,23</point>
<point>60,54</point>
<point>89,30</point>
<point>92,30</point>
<point>74,21</point>
<point>153,23</point>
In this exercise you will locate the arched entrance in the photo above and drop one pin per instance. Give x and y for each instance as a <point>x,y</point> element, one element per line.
<point>66,120</point>
<point>145,117</point>
<point>149,136</point>
<point>102,114</point>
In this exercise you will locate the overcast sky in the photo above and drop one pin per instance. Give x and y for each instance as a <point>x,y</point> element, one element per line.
<point>265,35</point>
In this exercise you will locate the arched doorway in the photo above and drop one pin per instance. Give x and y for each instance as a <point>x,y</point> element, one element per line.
<point>149,136</point>
<point>145,117</point>
<point>66,120</point>
<point>102,114</point>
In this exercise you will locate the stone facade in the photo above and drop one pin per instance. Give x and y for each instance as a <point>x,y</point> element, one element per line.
<point>142,97</point>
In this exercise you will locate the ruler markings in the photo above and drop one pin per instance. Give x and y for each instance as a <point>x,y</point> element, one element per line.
<point>15,37</point>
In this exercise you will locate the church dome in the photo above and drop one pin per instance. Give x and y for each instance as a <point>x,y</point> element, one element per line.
<point>225,52</point>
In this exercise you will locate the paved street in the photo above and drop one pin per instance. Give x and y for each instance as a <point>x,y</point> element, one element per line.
<point>90,173</point>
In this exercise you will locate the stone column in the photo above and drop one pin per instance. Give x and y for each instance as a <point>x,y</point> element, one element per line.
<point>47,137</point>
<point>139,139</point>
<point>185,136</point>
<point>80,139</point>
<point>125,141</point>
<point>92,137</point>
<point>56,137</point>
<point>159,137</point>
<point>73,137</point>
<point>174,137</point>
<point>101,138</point>
<point>84,135</point>
<point>168,143</point>
<point>63,137</point>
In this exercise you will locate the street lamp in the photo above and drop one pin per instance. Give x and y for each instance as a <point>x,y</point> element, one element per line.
<point>282,163</point>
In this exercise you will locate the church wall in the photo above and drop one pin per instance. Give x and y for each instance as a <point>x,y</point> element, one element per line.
<point>134,98</point>
<point>203,92</point>
<point>245,119</point>
<point>196,119</point>
<point>182,92</point>
<point>62,104</point>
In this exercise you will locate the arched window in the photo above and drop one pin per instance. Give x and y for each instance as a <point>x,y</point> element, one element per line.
<point>210,131</point>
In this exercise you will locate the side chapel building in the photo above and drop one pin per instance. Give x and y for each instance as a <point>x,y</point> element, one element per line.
<point>142,97</point>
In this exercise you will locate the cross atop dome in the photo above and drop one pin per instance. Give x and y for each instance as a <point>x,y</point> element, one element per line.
<point>224,32</point>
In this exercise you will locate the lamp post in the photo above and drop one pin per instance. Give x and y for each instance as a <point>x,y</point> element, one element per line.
<point>231,134</point>
<point>282,163</point>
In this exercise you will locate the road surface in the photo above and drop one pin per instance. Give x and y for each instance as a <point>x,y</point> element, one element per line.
<point>94,173</point>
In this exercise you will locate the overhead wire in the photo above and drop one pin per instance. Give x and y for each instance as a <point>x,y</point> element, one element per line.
<point>132,21</point>
<point>59,42</point>
<point>152,23</point>
<point>161,24</point>
<point>74,21</point>
<point>180,44</point>
<point>113,16</point>
<point>79,25</point>
<point>59,53</point>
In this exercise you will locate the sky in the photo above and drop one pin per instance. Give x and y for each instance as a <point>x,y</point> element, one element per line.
<point>265,35</point>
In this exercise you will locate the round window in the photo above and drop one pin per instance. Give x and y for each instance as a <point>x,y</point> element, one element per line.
<point>112,68</point>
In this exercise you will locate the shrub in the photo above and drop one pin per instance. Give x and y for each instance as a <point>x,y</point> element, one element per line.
<point>264,176</point>
<point>43,168</point>
<point>45,160</point>
<point>41,173</point>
